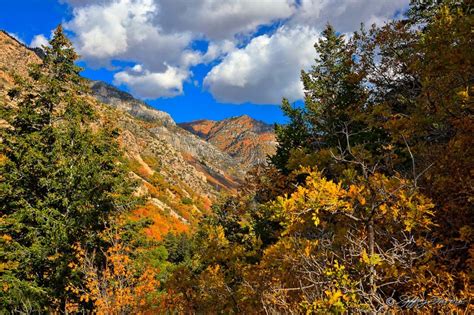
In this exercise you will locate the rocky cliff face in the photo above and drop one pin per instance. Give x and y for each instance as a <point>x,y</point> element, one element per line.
<point>110,95</point>
<point>181,173</point>
<point>248,140</point>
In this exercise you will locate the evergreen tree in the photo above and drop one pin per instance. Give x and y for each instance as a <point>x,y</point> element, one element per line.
<point>331,120</point>
<point>290,136</point>
<point>61,182</point>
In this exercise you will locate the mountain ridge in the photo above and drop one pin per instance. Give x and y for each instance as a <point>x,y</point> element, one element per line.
<point>248,140</point>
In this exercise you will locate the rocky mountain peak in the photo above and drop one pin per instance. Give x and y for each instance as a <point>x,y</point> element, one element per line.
<point>110,95</point>
<point>246,139</point>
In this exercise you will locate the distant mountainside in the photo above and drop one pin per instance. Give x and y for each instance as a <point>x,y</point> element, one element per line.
<point>181,173</point>
<point>248,140</point>
<point>219,167</point>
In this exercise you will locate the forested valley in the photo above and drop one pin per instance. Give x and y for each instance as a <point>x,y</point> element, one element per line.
<point>366,205</point>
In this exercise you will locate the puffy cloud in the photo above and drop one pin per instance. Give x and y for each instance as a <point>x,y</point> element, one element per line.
<point>266,70</point>
<point>151,85</point>
<point>39,41</point>
<point>346,15</point>
<point>217,19</point>
<point>159,35</point>
<point>123,29</point>
<point>102,29</point>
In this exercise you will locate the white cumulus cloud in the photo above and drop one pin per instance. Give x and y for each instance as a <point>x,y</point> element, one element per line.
<point>159,36</point>
<point>220,19</point>
<point>124,30</point>
<point>151,85</point>
<point>39,41</point>
<point>346,15</point>
<point>266,70</point>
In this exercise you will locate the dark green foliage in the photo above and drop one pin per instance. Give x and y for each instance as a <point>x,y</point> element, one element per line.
<point>61,182</point>
<point>289,136</point>
<point>179,247</point>
<point>332,117</point>
<point>186,201</point>
<point>423,12</point>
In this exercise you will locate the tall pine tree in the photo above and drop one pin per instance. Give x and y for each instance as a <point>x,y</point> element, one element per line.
<point>61,182</point>
<point>335,96</point>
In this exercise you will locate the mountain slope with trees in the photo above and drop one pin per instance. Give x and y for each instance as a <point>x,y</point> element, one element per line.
<point>172,164</point>
<point>365,207</point>
<point>62,182</point>
<point>56,139</point>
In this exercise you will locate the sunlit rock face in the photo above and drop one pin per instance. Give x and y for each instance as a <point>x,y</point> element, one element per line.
<point>247,140</point>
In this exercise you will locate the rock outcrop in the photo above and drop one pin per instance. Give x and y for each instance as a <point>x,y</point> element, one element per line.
<point>247,140</point>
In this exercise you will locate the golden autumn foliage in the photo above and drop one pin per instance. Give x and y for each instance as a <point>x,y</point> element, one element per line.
<point>381,198</point>
<point>120,287</point>
<point>367,204</point>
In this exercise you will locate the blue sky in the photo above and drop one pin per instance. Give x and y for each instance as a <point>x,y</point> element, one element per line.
<point>206,59</point>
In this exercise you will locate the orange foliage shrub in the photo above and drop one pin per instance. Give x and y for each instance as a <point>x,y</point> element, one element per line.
<point>117,288</point>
